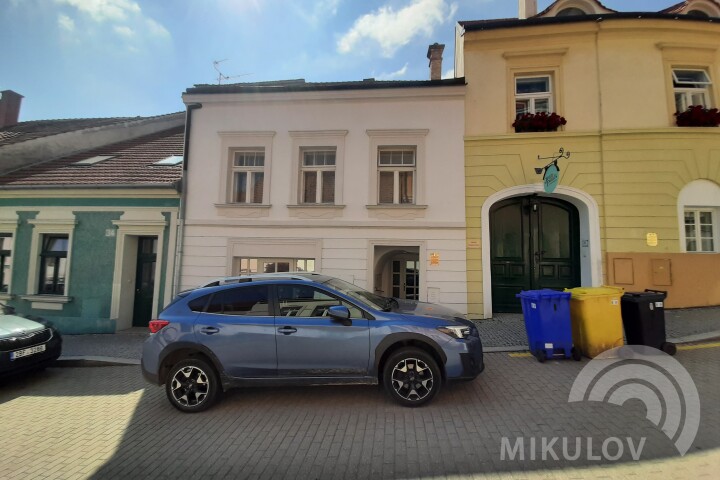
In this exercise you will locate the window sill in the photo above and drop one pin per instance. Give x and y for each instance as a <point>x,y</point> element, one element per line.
<point>316,210</point>
<point>397,211</point>
<point>243,210</point>
<point>6,296</point>
<point>47,302</point>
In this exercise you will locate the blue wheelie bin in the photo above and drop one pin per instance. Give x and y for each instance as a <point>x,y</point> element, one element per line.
<point>547,323</point>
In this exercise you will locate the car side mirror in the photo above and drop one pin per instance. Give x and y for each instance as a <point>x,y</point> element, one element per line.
<point>341,314</point>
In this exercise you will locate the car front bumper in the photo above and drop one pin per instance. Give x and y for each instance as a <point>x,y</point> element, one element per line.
<point>469,361</point>
<point>53,349</point>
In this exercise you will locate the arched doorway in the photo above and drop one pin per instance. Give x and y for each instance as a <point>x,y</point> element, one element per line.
<point>534,244</point>
<point>397,272</point>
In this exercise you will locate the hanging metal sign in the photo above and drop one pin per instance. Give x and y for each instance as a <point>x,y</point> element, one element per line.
<point>551,178</point>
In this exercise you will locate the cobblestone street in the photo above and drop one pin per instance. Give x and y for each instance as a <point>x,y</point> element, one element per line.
<point>105,422</point>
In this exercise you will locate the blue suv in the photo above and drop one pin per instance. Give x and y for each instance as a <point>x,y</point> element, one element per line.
<point>305,329</point>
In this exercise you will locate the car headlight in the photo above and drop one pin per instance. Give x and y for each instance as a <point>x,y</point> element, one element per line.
<point>455,331</point>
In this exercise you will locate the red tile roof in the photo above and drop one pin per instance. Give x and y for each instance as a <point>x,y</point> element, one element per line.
<point>130,166</point>
<point>25,131</point>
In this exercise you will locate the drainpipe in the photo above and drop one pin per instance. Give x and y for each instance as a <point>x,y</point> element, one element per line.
<point>182,190</point>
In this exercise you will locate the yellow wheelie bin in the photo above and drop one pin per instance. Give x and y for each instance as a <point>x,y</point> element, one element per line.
<point>596,319</point>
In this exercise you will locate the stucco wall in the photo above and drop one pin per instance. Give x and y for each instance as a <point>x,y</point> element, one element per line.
<point>344,236</point>
<point>613,85</point>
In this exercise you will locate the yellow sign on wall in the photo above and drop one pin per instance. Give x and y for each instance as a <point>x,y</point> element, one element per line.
<point>434,259</point>
<point>652,239</point>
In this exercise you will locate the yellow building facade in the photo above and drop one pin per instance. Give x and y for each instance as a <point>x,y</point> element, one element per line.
<point>637,204</point>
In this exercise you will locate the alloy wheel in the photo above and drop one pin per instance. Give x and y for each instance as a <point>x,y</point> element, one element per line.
<point>412,379</point>
<point>190,386</point>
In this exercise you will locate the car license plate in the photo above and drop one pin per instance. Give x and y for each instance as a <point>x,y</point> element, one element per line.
<point>27,352</point>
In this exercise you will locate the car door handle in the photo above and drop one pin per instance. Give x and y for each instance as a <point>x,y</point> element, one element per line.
<point>209,330</point>
<point>287,330</point>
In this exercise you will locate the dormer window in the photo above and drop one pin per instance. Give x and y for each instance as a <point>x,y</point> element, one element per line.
<point>570,12</point>
<point>698,13</point>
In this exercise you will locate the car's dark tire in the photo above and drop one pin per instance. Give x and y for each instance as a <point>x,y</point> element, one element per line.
<point>192,385</point>
<point>411,377</point>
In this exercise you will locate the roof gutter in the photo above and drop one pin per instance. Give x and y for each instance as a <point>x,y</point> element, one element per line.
<point>177,274</point>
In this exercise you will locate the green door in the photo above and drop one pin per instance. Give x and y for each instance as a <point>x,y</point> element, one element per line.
<point>534,244</point>
<point>144,281</point>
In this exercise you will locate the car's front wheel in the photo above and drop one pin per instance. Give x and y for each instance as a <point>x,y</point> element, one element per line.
<point>411,377</point>
<point>192,385</point>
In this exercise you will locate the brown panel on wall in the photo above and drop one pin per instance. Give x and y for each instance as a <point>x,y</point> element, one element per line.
<point>623,271</point>
<point>695,277</point>
<point>661,274</point>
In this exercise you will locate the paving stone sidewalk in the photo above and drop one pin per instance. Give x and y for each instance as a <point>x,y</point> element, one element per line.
<point>508,329</point>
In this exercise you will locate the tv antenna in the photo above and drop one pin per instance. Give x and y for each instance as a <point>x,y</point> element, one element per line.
<point>221,76</point>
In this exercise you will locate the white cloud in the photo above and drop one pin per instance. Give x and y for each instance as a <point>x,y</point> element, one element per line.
<point>124,31</point>
<point>392,29</point>
<point>449,73</point>
<point>66,23</point>
<point>392,76</point>
<point>104,10</point>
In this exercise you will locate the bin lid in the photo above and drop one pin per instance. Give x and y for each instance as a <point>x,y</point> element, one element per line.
<point>644,296</point>
<point>544,293</point>
<point>589,292</point>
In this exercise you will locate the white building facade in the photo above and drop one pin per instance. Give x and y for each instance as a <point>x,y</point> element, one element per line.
<point>359,180</point>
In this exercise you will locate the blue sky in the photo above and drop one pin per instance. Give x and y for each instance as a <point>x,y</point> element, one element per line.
<point>107,58</point>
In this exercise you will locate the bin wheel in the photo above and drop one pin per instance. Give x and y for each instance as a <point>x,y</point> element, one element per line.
<point>668,348</point>
<point>576,355</point>
<point>541,356</point>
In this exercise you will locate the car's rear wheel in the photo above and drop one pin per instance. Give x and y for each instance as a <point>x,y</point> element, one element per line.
<point>192,385</point>
<point>411,377</point>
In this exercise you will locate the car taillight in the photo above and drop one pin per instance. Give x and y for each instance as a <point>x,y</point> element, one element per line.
<point>157,325</point>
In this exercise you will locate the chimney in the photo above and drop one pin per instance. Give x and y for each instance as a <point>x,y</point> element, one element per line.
<point>527,9</point>
<point>434,53</point>
<point>9,108</point>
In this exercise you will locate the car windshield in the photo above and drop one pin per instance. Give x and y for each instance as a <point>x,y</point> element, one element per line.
<point>375,301</point>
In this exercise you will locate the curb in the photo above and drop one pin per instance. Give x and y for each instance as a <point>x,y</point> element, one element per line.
<point>95,362</point>
<point>700,337</point>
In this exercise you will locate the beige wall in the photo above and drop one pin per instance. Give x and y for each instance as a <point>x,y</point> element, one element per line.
<point>612,82</point>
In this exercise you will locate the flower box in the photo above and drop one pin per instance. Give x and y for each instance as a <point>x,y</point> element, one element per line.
<point>538,122</point>
<point>698,116</point>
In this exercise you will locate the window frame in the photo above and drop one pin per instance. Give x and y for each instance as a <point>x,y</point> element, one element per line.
<point>397,138</point>
<point>6,262</point>
<point>697,238</point>
<point>230,142</point>
<point>57,255</point>
<point>250,172</point>
<point>687,91</point>
<point>532,97</point>
<point>237,269</point>
<point>49,223</point>
<point>319,171</point>
<point>396,170</point>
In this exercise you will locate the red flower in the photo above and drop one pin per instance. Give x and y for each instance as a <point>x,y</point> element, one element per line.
<point>538,122</point>
<point>698,116</point>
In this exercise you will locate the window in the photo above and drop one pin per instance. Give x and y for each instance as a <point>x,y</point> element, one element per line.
<point>272,265</point>
<point>248,172</point>
<point>5,257</point>
<point>396,175</point>
<point>53,265</point>
<point>691,87</point>
<point>306,301</point>
<point>533,95</point>
<point>699,231</point>
<point>317,176</point>
<point>242,301</point>
<point>570,12</point>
